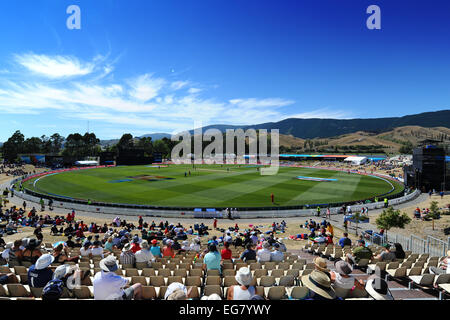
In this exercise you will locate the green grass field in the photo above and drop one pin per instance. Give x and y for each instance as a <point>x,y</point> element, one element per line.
<point>210,186</point>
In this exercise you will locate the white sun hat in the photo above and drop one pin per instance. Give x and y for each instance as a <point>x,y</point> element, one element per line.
<point>44,261</point>
<point>244,276</point>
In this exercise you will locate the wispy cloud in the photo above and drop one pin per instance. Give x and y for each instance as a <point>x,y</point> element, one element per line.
<point>323,113</point>
<point>54,66</point>
<point>145,102</point>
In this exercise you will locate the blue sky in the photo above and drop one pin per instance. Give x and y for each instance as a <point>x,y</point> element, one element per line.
<point>159,65</point>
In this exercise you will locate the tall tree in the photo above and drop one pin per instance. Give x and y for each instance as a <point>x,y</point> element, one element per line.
<point>13,146</point>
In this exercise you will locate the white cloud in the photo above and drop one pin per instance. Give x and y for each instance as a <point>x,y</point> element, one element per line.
<point>145,87</point>
<point>261,103</point>
<point>323,113</point>
<point>144,103</point>
<point>54,66</point>
<point>177,85</point>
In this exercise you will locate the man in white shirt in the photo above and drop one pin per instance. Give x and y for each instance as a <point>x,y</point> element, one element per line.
<point>263,255</point>
<point>97,250</point>
<point>227,237</point>
<point>144,255</point>
<point>110,286</point>
<point>85,251</point>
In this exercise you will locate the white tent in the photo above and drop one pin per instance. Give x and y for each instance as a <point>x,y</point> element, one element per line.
<point>86,163</point>
<point>356,160</point>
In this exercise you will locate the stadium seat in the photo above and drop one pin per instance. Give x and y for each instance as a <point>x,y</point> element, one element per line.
<point>229,281</point>
<point>36,292</point>
<point>83,292</point>
<point>276,293</point>
<point>148,293</point>
<point>139,279</point>
<point>267,281</point>
<point>213,280</point>
<point>173,279</point>
<point>193,281</point>
<point>148,272</point>
<point>286,281</point>
<point>299,293</point>
<point>157,281</point>
<point>18,290</point>
<point>229,272</point>
<point>213,273</point>
<point>210,289</point>
<point>141,265</point>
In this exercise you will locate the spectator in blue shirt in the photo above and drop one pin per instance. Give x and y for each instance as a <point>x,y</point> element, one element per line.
<point>249,254</point>
<point>212,259</point>
<point>345,241</point>
<point>40,274</point>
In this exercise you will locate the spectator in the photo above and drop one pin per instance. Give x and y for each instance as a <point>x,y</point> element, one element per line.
<point>155,249</point>
<point>109,245</point>
<point>85,251</point>
<point>345,240</point>
<point>127,256</point>
<point>319,285</point>
<point>144,255</point>
<point>399,253</point>
<point>168,250</point>
<point>249,253</point>
<point>226,252</point>
<point>388,254</point>
<point>31,252</point>
<point>110,286</point>
<point>177,291</point>
<point>263,255</point>
<point>195,245</point>
<point>444,266</point>
<point>276,255</point>
<point>320,264</point>
<point>360,252</point>
<point>341,278</point>
<point>39,274</point>
<point>15,254</point>
<point>378,289</point>
<point>97,249</point>
<point>243,291</point>
<point>61,254</point>
<point>135,247</point>
<point>212,259</point>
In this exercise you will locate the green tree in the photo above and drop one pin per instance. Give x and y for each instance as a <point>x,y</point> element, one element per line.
<point>13,146</point>
<point>32,145</point>
<point>147,144</point>
<point>126,141</point>
<point>391,218</point>
<point>434,210</point>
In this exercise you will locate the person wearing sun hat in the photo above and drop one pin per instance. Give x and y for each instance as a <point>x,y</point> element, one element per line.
<point>144,255</point>
<point>127,256</point>
<point>341,278</point>
<point>177,291</point>
<point>320,264</point>
<point>39,274</point>
<point>378,289</point>
<point>110,286</point>
<point>244,290</point>
<point>319,286</point>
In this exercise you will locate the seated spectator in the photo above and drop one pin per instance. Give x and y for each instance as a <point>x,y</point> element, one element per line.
<point>399,253</point>
<point>144,255</point>
<point>226,252</point>
<point>85,251</point>
<point>212,259</point>
<point>77,243</point>
<point>127,256</point>
<point>61,254</point>
<point>320,264</point>
<point>69,242</point>
<point>263,255</point>
<point>378,289</point>
<point>341,278</point>
<point>155,249</point>
<point>243,291</point>
<point>276,255</point>
<point>388,254</point>
<point>345,241</point>
<point>167,250</point>
<point>249,253</point>
<point>97,249</point>
<point>213,296</point>
<point>109,245</point>
<point>360,252</point>
<point>185,246</point>
<point>15,254</point>
<point>135,247</point>
<point>195,245</point>
<point>39,274</point>
<point>31,252</point>
<point>110,286</point>
<point>319,285</point>
<point>444,266</point>
<point>177,291</point>
<point>6,278</point>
